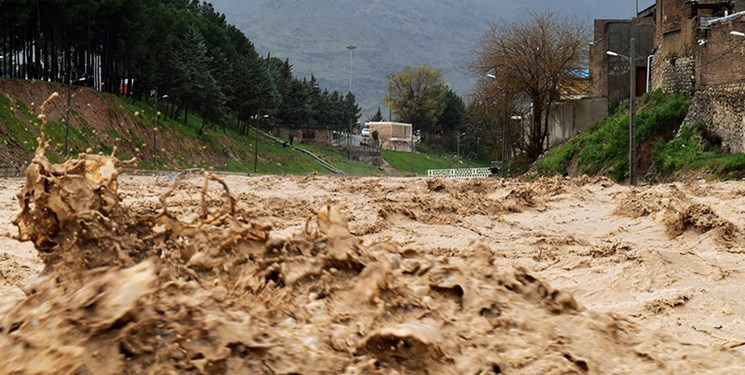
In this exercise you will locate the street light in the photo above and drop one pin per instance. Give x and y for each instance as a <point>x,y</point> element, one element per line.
<point>632,111</point>
<point>413,148</point>
<point>256,146</point>
<point>505,153</point>
<point>155,128</point>
<point>67,118</point>
<point>350,48</point>
<point>390,118</point>
<point>737,33</point>
<point>459,135</point>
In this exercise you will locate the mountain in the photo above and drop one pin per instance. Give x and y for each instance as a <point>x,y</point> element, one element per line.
<point>389,35</point>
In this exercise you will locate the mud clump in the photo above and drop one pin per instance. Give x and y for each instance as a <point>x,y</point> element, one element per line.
<point>636,203</point>
<point>700,218</point>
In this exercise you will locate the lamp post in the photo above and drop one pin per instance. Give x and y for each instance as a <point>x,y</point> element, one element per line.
<point>256,146</point>
<point>390,117</point>
<point>350,48</point>
<point>458,145</point>
<point>632,110</point>
<point>505,134</point>
<point>413,150</point>
<point>67,117</point>
<point>737,33</point>
<point>155,127</point>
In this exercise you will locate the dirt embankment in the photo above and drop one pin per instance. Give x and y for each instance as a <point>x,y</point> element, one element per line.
<point>386,276</point>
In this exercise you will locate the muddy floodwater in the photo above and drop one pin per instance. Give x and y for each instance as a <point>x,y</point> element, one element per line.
<point>106,273</point>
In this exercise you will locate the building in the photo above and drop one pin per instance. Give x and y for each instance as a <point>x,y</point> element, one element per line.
<point>609,75</point>
<point>306,134</point>
<point>395,136</point>
<point>697,54</point>
<point>681,29</point>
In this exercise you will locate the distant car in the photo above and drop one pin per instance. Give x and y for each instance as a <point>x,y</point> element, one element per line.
<point>365,132</point>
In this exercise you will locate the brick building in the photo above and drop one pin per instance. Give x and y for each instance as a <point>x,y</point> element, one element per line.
<point>719,102</point>
<point>696,54</point>
<point>681,30</point>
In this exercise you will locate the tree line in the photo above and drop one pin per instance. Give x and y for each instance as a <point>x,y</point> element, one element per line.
<point>180,48</point>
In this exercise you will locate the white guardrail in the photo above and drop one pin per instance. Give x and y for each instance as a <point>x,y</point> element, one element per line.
<point>460,173</point>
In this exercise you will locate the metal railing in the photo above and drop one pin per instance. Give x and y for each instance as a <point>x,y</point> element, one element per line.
<point>463,173</point>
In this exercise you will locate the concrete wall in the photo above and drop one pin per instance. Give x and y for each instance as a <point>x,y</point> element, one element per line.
<point>570,117</point>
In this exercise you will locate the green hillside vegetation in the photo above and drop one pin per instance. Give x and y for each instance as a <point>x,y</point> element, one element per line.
<point>674,150</point>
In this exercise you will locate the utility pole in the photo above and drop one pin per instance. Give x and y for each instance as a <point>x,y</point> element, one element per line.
<point>413,149</point>
<point>67,117</point>
<point>632,111</point>
<point>505,144</point>
<point>390,116</point>
<point>155,127</point>
<point>349,131</point>
<point>256,146</point>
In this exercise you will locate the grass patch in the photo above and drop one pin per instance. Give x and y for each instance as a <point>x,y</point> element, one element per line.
<point>422,162</point>
<point>557,161</point>
<point>21,129</point>
<point>693,149</point>
<point>338,158</point>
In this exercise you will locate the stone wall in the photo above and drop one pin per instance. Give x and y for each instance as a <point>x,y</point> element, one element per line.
<point>722,110</point>
<point>674,74</point>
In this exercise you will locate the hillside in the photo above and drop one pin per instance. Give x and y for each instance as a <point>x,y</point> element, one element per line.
<point>102,122</point>
<point>388,34</point>
<point>668,148</point>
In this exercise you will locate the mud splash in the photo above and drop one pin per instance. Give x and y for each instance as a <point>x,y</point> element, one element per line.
<point>151,292</point>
